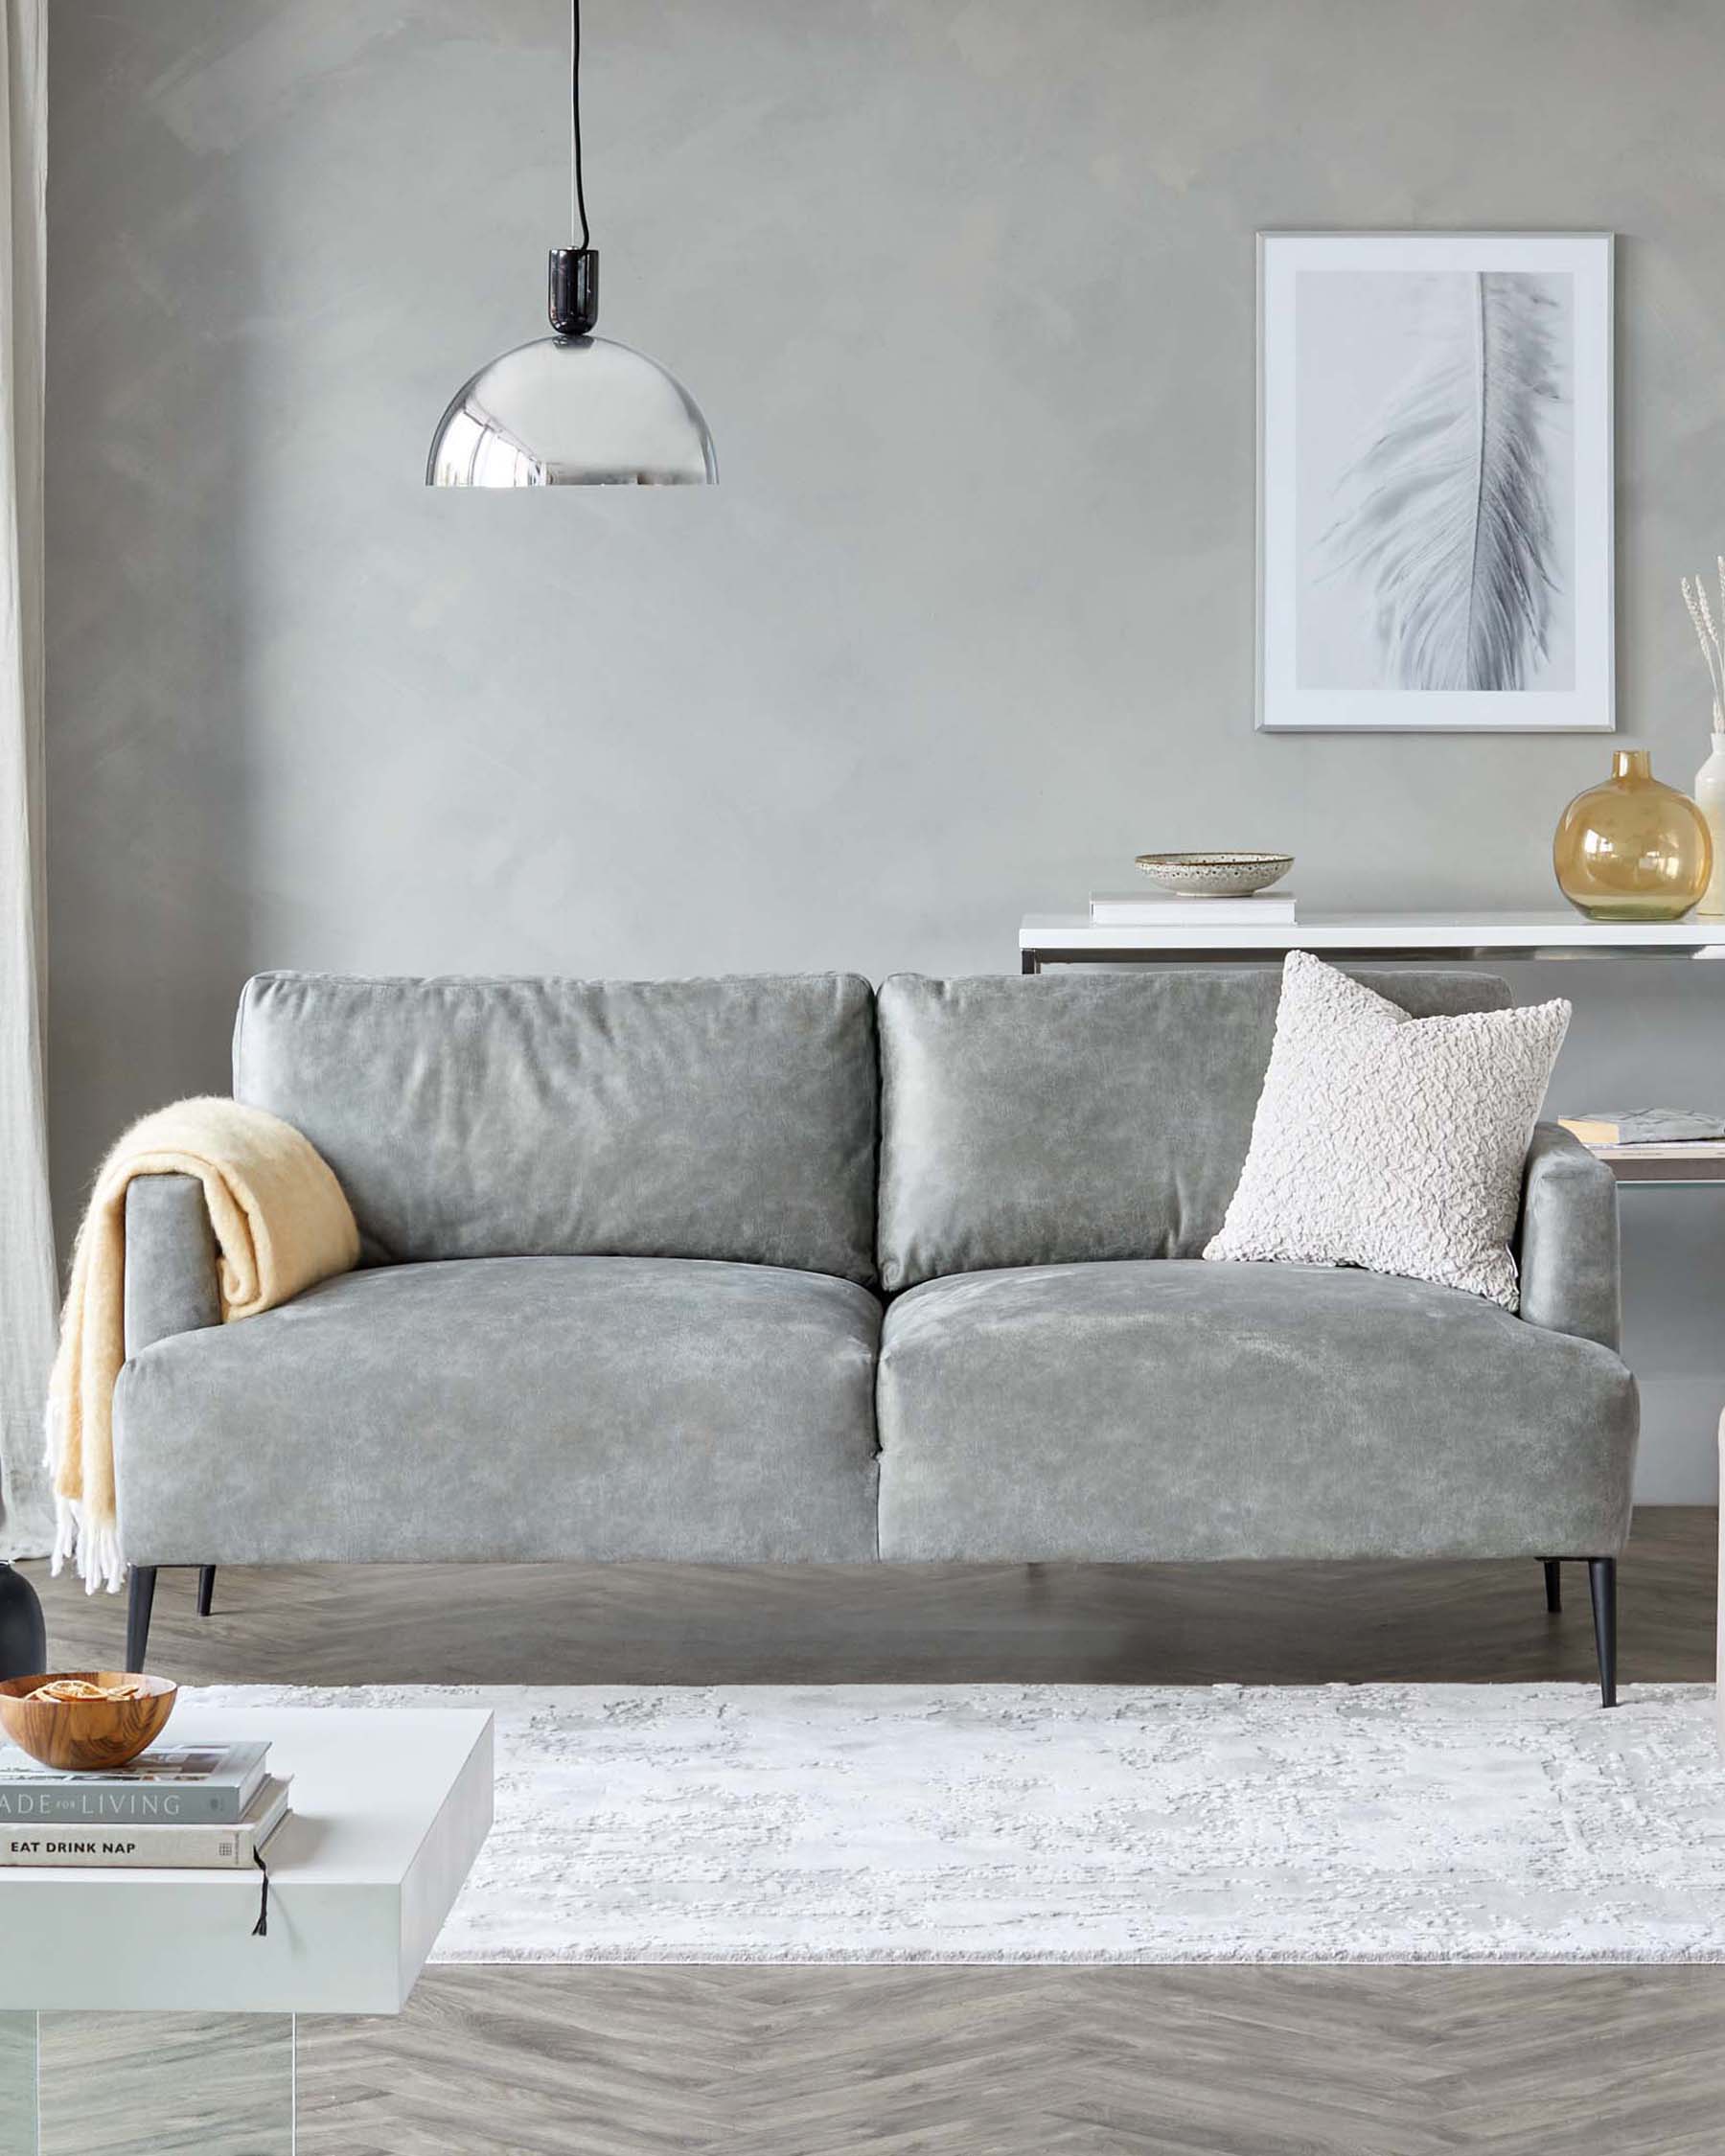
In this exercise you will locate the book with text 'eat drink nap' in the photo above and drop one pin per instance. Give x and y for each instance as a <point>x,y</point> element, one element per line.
<point>174,1785</point>
<point>170,1849</point>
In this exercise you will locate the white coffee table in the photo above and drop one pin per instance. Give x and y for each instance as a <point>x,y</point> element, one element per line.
<point>390,1808</point>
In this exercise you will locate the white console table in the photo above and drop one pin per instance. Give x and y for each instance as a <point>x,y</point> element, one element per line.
<point>1073,939</point>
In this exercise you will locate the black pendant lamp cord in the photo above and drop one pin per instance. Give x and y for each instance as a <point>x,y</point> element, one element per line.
<point>578,192</point>
<point>572,272</point>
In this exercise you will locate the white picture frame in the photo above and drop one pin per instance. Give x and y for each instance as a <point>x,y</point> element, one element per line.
<point>1396,372</point>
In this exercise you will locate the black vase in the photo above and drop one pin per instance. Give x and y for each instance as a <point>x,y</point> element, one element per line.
<point>23,1634</point>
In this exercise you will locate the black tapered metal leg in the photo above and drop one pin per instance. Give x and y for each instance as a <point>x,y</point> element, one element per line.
<point>1601,1581</point>
<point>23,1634</point>
<point>1553,1571</point>
<point>206,1588</point>
<point>137,1615</point>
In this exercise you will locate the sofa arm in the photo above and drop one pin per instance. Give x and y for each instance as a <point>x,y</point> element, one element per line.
<point>170,1260</point>
<point>1568,1242</point>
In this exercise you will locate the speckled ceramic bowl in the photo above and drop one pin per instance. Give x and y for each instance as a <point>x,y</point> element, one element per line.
<point>1215,875</point>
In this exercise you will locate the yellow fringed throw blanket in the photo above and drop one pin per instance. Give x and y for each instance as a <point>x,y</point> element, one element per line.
<point>281,1225</point>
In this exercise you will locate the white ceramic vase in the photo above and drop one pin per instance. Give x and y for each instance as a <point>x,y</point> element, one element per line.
<point>1709,799</point>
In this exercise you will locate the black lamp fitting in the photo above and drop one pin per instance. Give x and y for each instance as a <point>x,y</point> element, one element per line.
<point>572,290</point>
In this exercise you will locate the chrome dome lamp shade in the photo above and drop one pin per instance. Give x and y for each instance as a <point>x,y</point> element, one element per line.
<point>572,409</point>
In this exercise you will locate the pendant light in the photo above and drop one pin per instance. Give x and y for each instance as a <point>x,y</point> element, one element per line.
<point>572,409</point>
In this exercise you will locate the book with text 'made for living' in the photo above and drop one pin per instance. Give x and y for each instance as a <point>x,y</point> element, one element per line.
<point>183,1784</point>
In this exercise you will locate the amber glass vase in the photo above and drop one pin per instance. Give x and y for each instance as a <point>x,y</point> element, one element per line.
<point>1632,849</point>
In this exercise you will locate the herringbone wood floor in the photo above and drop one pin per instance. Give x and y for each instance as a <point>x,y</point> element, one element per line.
<point>804,2062</point>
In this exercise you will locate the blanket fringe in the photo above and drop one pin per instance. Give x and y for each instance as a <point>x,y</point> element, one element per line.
<point>93,1552</point>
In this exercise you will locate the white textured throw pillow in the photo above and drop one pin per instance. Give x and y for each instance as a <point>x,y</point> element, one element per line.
<point>1392,1142</point>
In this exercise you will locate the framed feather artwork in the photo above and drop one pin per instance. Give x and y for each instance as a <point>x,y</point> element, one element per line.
<point>1435,481</point>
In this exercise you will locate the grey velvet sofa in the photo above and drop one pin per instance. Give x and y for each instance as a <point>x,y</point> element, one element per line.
<point>770,1270</point>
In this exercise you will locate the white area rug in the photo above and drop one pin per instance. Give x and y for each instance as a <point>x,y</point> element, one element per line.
<point>1004,1822</point>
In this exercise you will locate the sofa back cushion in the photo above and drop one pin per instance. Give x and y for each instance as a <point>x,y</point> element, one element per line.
<point>1075,1116</point>
<point>730,1118</point>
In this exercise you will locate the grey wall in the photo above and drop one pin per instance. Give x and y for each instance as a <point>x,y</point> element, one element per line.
<point>966,288</point>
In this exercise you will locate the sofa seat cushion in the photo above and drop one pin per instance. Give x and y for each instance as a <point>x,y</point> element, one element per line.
<point>512,1408</point>
<point>1172,1409</point>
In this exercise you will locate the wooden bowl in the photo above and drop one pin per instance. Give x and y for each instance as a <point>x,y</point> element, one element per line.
<point>86,1736</point>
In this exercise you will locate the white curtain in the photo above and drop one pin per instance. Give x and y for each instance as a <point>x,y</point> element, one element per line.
<point>28,1278</point>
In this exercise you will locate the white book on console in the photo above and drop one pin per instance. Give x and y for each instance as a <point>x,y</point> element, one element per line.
<point>1138,910</point>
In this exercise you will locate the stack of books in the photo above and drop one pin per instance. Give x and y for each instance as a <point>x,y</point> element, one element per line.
<point>1609,1128</point>
<point>1157,909</point>
<point>1671,1145</point>
<point>184,1807</point>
